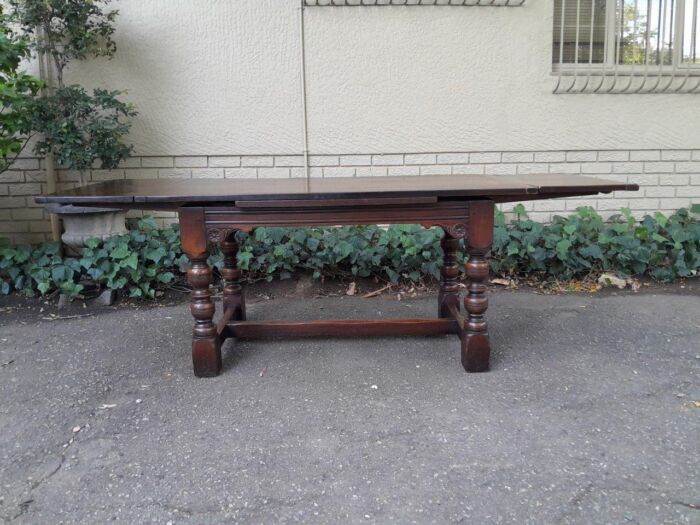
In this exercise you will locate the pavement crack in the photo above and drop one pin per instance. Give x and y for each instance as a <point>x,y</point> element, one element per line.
<point>23,508</point>
<point>51,474</point>
<point>174,508</point>
<point>24,505</point>
<point>693,506</point>
<point>186,511</point>
<point>576,503</point>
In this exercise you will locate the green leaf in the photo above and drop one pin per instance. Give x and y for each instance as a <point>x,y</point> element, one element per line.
<point>519,211</point>
<point>118,284</point>
<point>592,251</point>
<point>661,219</point>
<point>87,262</point>
<point>156,254</point>
<point>132,261</point>
<point>166,277</point>
<point>147,223</point>
<point>342,249</point>
<point>120,252</point>
<point>563,249</point>
<point>14,272</point>
<point>312,243</point>
<point>513,248</point>
<point>95,273</point>
<point>60,273</point>
<point>71,289</point>
<point>641,232</point>
<point>92,244</point>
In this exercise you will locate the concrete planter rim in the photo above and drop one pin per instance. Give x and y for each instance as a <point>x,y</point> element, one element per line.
<point>69,209</point>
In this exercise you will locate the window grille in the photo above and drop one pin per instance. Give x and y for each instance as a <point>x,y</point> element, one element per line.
<point>379,3</point>
<point>626,46</point>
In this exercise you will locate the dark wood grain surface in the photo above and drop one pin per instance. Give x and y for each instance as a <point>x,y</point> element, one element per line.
<point>163,192</point>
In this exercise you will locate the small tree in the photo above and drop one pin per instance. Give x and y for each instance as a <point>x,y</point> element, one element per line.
<point>77,127</point>
<point>17,92</point>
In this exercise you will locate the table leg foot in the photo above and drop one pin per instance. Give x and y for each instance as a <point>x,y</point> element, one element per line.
<point>476,352</point>
<point>206,357</point>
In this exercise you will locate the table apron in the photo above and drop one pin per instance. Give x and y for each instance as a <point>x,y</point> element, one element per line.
<point>453,216</point>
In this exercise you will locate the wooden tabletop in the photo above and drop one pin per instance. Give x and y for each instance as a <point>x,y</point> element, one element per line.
<point>174,193</point>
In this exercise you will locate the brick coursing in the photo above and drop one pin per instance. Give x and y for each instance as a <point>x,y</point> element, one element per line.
<point>669,179</point>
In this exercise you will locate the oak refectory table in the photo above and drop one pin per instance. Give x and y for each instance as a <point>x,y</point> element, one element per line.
<point>212,211</point>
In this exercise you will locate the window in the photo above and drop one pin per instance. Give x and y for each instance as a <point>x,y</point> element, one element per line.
<point>644,39</point>
<point>379,3</point>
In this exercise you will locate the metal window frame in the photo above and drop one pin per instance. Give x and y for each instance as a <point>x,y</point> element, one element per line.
<point>409,3</point>
<point>613,77</point>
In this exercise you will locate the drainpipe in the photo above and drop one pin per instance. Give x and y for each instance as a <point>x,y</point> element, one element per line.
<point>45,69</point>
<point>305,114</point>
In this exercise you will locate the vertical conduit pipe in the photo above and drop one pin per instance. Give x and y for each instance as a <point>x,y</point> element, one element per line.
<point>304,108</point>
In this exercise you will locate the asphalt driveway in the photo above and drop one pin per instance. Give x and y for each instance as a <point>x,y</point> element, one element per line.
<point>588,416</point>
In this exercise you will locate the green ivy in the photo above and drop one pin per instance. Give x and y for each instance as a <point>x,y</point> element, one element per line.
<point>664,248</point>
<point>401,251</point>
<point>150,258</point>
<point>140,262</point>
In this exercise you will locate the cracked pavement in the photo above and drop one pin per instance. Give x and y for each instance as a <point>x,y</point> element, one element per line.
<point>586,417</point>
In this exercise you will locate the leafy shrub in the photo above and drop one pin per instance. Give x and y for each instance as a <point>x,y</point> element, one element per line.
<point>81,128</point>
<point>661,247</point>
<point>17,91</point>
<point>149,258</point>
<point>78,127</point>
<point>401,251</point>
<point>139,262</point>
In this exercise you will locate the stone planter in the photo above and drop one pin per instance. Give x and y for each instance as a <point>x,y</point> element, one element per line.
<point>82,223</point>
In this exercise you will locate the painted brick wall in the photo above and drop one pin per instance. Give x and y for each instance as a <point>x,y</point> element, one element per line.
<point>669,179</point>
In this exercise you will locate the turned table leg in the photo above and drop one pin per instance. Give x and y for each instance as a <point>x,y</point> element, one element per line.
<point>449,285</point>
<point>206,345</point>
<point>476,348</point>
<point>231,273</point>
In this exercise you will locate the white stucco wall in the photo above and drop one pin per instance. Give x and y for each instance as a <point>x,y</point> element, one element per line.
<point>217,77</point>
<point>206,75</point>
